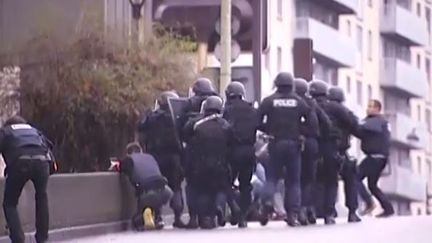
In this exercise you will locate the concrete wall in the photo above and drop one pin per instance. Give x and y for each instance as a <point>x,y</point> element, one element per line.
<point>77,200</point>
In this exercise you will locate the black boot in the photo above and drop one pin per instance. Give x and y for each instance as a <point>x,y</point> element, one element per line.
<point>302,217</point>
<point>220,215</point>
<point>159,223</point>
<point>207,223</point>
<point>329,220</point>
<point>353,217</point>
<point>193,222</point>
<point>243,220</point>
<point>235,213</point>
<point>266,213</point>
<point>292,220</point>
<point>311,215</point>
<point>178,222</point>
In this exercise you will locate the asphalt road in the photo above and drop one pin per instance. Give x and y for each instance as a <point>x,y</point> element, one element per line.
<point>394,230</point>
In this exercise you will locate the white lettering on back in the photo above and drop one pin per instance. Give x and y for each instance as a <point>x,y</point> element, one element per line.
<point>20,126</point>
<point>285,103</point>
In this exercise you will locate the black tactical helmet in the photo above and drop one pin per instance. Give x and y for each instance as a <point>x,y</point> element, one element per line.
<point>301,86</point>
<point>318,88</point>
<point>235,88</point>
<point>336,94</point>
<point>203,86</point>
<point>164,96</point>
<point>284,79</point>
<point>212,103</point>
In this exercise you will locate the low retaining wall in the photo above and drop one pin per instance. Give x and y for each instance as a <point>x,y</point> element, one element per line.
<point>78,200</point>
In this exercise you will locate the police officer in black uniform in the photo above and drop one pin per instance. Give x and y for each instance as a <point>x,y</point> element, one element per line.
<point>374,133</point>
<point>160,139</point>
<point>349,166</point>
<point>285,112</point>
<point>202,88</point>
<point>25,151</point>
<point>150,186</point>
<point>310,153</point>
<point>243,118</point>
<point>208,136</point>
<point>330,146</point>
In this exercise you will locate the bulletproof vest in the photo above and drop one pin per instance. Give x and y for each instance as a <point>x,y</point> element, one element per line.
<point>209,143</point>
<point>335,132</point>
<point>284,119</point>
<point>22,139</point>
<point>308,132</point>
<point>161,133</point>
<point>23,135</point>
<point>244,121</point>
<point>145,169</point>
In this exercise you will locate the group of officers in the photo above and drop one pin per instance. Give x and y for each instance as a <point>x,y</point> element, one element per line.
<point>211,143</point>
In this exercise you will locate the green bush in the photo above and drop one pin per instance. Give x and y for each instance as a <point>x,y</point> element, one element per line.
<point>87,93</point>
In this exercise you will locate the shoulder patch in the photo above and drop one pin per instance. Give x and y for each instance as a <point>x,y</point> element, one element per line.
<point>285,103</point>
<point>20,126</point>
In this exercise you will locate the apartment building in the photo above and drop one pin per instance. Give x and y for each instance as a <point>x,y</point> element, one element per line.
<point>381,49</point>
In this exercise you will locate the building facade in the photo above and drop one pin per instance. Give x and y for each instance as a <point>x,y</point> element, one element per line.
<point>372,49</point>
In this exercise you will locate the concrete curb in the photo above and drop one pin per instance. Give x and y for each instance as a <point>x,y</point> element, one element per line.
<point>77,232</point>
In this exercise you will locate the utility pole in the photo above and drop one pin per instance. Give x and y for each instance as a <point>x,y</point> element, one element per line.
<point>225,26</point>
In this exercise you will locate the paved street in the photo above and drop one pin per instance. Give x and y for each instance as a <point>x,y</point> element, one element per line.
<point>394,230</point>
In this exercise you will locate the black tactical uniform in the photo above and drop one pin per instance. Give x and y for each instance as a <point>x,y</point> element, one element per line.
<point>374,133</point>
<point>25,152</point>
<point>330,147</point>
<point>349,167</point>
<point>161,141</point>
<point>243,119</point>
<point>151,189</point>
<point>202,88</point>
<point>310,153</point>
<point>285,113</point>
<point>208,170</point>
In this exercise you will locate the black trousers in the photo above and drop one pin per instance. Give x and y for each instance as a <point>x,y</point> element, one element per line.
<point>242,160</point>
<point>19,173</point>
<point>371,168</point>
<point>308,171</point>
<point>349,176</point>
<point>170,166</point>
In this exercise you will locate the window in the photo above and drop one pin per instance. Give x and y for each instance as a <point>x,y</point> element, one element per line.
<point>428,119</point>
<point>370,3</point>
<point>348,26</point>
<point>279,59</point>
<point>359,93</point>
<point>419,211</point>
<point>428,68</point>
<point>418,61</point>
<point>369,92</point>
<point>369,45</point>
<point>418,7</point>
<point>359,38</point>
<point>419,113</point>
<point>428,18</point>
<point>279,8</point>
<point>419,165</point>
<point>348,85</point>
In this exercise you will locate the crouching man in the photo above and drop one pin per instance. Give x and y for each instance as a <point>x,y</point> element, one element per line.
<point>151,187</point>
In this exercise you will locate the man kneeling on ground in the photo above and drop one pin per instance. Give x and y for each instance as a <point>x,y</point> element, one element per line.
<point>151,187</point>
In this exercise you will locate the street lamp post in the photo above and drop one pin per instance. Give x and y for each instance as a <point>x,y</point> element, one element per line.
<point>136,15</point>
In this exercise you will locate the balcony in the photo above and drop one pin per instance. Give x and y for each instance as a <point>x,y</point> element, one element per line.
<point>402,183</point>
<point>404,25</point>
<point>402,126</point>
<point>328,43</point>
<point>404,78</point>
<point>340,6</point>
